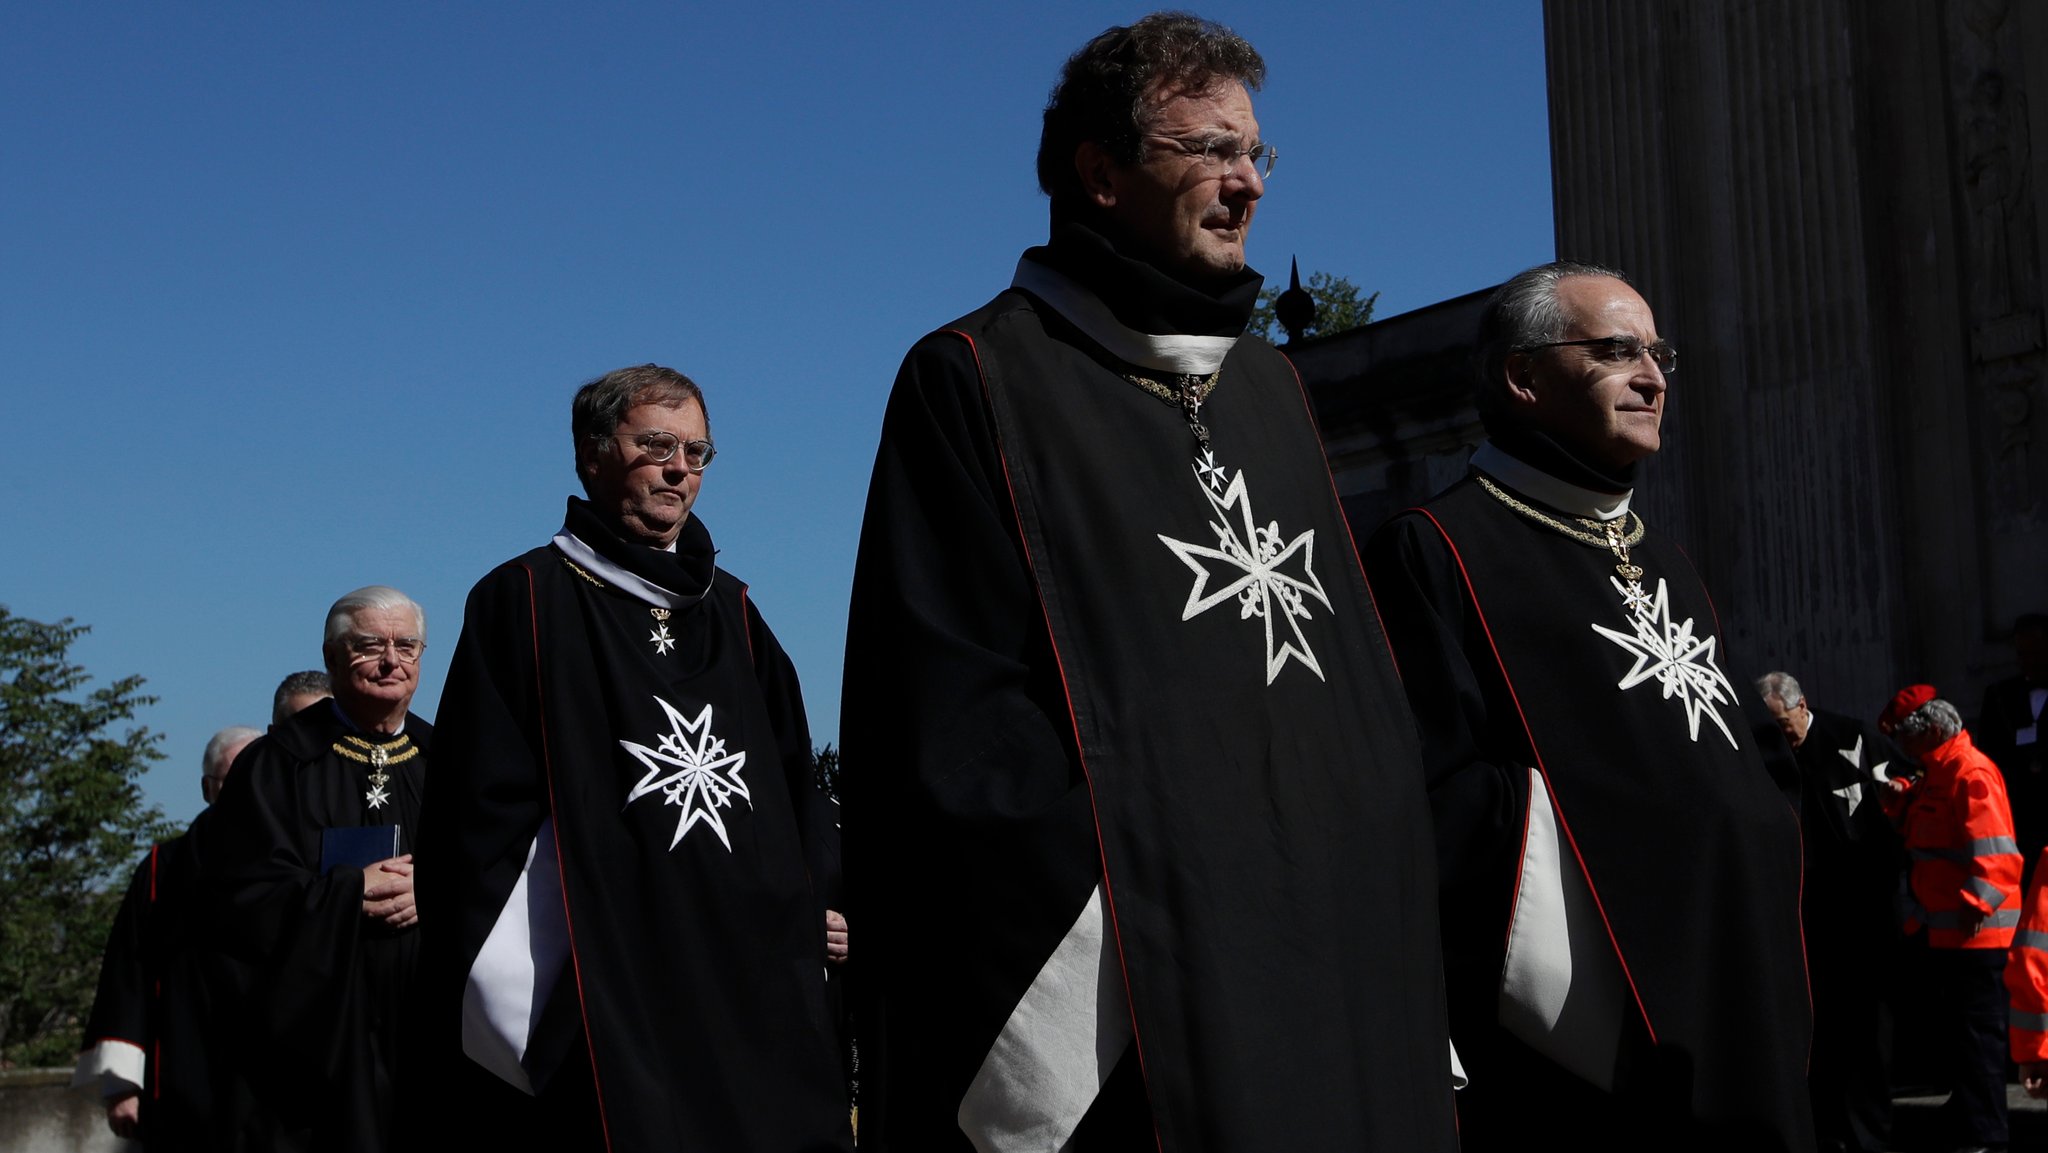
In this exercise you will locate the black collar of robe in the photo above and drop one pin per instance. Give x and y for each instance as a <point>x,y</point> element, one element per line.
<point>1541,451</point>
<point>1142,298</point>
<point>311,733</point>
<point>687,572</point>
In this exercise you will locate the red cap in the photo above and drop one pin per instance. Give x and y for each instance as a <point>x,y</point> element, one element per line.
<point>1904,703</point>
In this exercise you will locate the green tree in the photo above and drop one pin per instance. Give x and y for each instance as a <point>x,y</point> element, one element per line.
<point>1338,307</point>
<point>825,771</point>
<point>73,822</point>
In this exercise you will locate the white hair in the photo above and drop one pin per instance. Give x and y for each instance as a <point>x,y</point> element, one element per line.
<point>1937,717</point>
<point>1780,687</point>
<point>342,616</point>
<point>222,741</point>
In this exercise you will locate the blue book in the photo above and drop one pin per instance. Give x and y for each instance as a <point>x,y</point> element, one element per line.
<point>358,847</point>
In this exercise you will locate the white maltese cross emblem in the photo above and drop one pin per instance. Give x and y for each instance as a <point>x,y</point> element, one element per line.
<point>692,770</point>
<point>1269,578</point>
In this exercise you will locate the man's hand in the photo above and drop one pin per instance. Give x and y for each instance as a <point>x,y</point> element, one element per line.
<point>2034,1078</point>
<point>124,1115</point>
<point>835,937</point>
<point>387,892</point>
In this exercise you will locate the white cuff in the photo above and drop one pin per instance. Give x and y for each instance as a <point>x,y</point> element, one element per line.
<point>117,1067</point>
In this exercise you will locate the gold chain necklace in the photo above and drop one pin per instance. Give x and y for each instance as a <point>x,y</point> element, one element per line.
<point>579,570</point>
<point>661,638</point>
<point>1600,534</point>
<point>378,757</point>
<point>1189,391</point>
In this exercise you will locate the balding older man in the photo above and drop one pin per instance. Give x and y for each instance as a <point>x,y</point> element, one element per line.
<point>146,1043</point>
<point>1620,872</point>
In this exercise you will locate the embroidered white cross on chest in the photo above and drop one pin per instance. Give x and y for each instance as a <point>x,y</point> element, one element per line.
<point>692,769</point>
<point>1667,652</point>
<point>1269,578</point>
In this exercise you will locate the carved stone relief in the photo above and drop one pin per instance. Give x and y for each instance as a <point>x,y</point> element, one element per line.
<point>2001,265</point>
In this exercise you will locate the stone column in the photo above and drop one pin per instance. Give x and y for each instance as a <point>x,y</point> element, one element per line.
<point>1832,206</point>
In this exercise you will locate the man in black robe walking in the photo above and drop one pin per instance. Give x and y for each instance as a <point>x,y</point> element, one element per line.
<point>150,1039</point>
<point>625,853</point>
<point>309,867</point>
<point>1135,823</point>
<point>1850,901</point>
<point>1620,870</point>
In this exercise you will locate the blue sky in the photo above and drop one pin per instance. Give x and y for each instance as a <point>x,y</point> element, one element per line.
<point>293,297</point>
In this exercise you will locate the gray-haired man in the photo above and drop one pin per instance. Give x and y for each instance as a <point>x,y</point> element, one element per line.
<point>310,861</point>
<point>1620,871</point>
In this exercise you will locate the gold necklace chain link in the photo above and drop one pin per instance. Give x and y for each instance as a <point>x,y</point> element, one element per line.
<point>342,746</point>
<point>1596,533</point>
<point>579,570</point>
<point>1198,386</point>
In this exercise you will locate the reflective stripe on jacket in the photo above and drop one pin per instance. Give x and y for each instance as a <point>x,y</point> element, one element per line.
<point>2026,974</point>
<point>1959,841</point>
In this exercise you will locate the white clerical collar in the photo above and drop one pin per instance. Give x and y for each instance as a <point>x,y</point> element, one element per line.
<point>1531,481</point>
<point>1187,355</point>
<point>639,587</point>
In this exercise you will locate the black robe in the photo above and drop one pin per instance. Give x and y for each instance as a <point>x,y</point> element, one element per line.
<point>329,1012</point>
<point>1037,711</point>
<point>2007,716</point>
<point>1662,802</point>
<point>1854,865</point>
<point>691,1009</point>
<point>164,990</point>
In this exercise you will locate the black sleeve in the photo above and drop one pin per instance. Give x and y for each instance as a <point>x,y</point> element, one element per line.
<point>969,832</point>
<point>275,911</point>
<point>1477,780</point>
<point>487,793</point>
<point>120,1006</point>
<point>817,814</point>
<point>950,673</point>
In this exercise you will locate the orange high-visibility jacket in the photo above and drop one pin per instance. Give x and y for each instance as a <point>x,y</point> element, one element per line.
<point>1959,840</point>
<point>2026,973</point>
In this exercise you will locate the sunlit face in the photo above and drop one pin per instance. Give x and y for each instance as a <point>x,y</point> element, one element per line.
<point>369,663</point>
<point>1609,412</point>
<point>1793,721</point>
<point>1172,209</point>
<point>646,500</point>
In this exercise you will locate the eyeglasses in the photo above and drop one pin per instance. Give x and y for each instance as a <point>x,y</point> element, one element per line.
<point>662,447</point>
<point>368,648</point>
<point>1222,153</point>
<point>1619,350</point>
